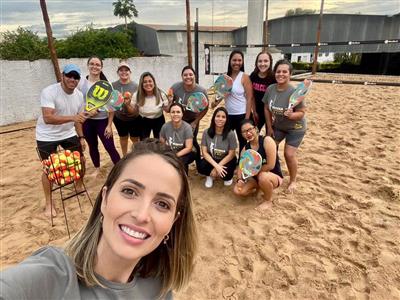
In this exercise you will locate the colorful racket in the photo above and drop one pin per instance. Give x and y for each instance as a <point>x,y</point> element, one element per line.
<point>222,86</point>
<point>197,102</point>
<point>98,95</point>
<point>300,93</point>
<point>165,96</point>
<point>250,163</point>
<point>115,103</point>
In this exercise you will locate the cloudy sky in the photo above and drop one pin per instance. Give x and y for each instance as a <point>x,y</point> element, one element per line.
<point>67,16</point>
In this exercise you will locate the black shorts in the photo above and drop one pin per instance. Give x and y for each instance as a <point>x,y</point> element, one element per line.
<point>47,148</point>
<point>130,128</point>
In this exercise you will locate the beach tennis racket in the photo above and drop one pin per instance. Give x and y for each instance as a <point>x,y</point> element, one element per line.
<point>250,163</point>
<point>115,103</point>
<point>197,102</point>
<point>98,95</point>
<point>222,86</point>
<point>165,96</point>
<point>300,93</point>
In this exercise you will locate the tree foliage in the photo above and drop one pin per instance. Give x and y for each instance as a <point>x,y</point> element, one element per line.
<point>299,11</point>
<point>22,44</point>
<point>100,42</point>
<point>348,58</point>
<point>125,9</point>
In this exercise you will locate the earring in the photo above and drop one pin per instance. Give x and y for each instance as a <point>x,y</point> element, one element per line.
<point>101,219</point>
<point>166,238</point>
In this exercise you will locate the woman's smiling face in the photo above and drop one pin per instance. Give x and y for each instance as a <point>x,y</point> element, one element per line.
<point>140,209</point>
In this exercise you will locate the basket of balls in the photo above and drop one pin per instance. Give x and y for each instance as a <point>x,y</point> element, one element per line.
<point>63,167</point>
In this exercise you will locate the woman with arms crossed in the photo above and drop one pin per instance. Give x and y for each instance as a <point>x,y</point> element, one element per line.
<point>218,147</point>
<point>126,120</point>
<point>138,243</point>
<point>261,78</point>
<point>283,123</point>
<point>270,176</point>
<point>150,105</point>
<point>178,135</point>
<point>100,123</point>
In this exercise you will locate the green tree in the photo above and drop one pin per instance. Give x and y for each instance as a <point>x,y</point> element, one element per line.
<point>299,11</point>
<point>22,44</point>
<point>125,9</point>
<point>101,42</point>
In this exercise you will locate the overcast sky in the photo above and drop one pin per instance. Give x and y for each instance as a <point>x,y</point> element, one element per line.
<point>68,16</point>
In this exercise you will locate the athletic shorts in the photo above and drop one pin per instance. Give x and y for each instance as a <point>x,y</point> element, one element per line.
<point>293,137</point>
<point>130,128</point>
<point>47,148</point>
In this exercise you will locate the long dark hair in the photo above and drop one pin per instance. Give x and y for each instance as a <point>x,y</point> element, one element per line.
<point>270,73</point>
<point>227,127</point>
<point>229,73</point>
<point>102,76</point>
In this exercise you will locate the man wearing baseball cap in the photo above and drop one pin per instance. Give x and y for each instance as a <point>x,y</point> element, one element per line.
<point>62,109</point>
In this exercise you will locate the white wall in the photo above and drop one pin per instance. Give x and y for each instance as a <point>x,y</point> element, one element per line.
<point>22,81</point>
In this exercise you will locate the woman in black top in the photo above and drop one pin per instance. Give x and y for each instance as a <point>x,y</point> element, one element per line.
<point>261,78</point>
<point>270,176</point>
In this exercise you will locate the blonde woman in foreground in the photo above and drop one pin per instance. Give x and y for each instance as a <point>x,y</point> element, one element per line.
<point>138,243</point>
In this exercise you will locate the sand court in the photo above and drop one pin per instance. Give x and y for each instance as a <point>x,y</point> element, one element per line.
<point>336,237</point>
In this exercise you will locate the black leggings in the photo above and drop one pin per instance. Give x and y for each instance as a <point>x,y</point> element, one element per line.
<point>205,168</point>
<point>152,124</point>
<point>187,159</point>
<point>234,122</point>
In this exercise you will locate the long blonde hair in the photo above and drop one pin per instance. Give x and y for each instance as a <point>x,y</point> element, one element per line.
<point>172,262</point>
<point>141,94</point>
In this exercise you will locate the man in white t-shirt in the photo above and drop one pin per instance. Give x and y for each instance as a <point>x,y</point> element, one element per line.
<point>62,110</point>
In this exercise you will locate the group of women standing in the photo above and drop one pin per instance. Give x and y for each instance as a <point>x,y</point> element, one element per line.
<point>255,100</point>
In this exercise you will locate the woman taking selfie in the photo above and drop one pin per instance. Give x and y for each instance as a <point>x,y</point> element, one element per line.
<point>138,243</point>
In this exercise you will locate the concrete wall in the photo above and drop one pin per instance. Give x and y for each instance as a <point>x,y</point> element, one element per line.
<point>22,81</point>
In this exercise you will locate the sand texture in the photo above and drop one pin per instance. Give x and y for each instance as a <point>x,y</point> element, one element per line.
<point>336,237</point>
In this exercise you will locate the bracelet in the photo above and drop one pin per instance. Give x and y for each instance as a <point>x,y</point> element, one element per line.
<point>81,136</point>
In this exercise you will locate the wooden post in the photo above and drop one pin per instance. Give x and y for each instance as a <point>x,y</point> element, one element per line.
<point>53,53</point>
<point>265,35</point>
<point>188,34</point>
<point>196,45</point>
<point>315,61</point>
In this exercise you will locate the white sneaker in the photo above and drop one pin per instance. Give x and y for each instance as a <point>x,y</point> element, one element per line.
<point>209,182</point>
<point>228,182</point>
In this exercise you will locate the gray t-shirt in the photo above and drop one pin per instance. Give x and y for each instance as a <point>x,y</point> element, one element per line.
<point>122,88</point>
<point>278,102</point>
<point>176,137</point>
<point>217,147</point>
<point>181,96</point>
<point>50,274</point>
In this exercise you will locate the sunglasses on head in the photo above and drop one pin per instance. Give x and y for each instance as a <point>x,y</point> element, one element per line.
<point>73,75</point>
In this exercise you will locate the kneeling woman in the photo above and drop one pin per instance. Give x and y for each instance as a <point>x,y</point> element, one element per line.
<point>138,243</point>
<point>218,147</point>
<point>178,135</point>
<point>270,177</point>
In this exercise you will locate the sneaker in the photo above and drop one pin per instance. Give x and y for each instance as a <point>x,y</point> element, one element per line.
<point>209,182</point>
<point>228,182</point>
